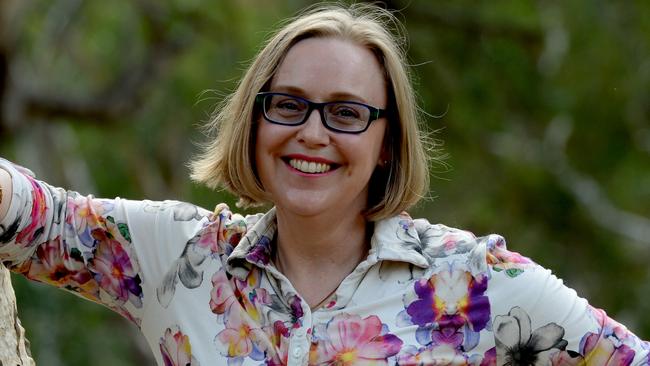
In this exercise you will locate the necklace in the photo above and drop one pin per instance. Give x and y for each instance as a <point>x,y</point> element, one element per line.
<point>322,302</point>
<point>278,265</point>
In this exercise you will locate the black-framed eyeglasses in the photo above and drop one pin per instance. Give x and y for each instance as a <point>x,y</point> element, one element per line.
<point>339,116</point>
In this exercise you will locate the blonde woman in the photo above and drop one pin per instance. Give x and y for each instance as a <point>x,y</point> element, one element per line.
<point>324,127</point>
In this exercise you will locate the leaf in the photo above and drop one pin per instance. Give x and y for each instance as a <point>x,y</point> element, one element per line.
<point>514,272</point>
<point>165,292</point>
<point>124,230</point>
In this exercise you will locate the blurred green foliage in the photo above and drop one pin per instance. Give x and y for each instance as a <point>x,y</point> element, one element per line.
<point>543,108</point>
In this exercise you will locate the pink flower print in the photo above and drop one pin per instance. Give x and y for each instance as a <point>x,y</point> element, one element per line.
<point>278,350</point>
<point>443,348</point>
<point>221,295</point>
<point>227,292</point>
<point>450,243</point>
<point>223,231</point>
<point>442,354</point>
<point>611,327</point>
<point>241,302</point>
<point>451,298</point>
<point>210,237</point>
<point>237,340</point>
<point>603,351</point>
<point>218,238</point>
<point>502,259</point>
<point>57,265</point>
<point>597,351</point>
<point>84,215</point>
<point>350,340</point>
<point>114,269</point>
<point>175,348</point>
<point>36,224</point>
<point>608,348</point>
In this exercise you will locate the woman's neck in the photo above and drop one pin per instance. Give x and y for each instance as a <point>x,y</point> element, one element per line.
<point>316,253</point>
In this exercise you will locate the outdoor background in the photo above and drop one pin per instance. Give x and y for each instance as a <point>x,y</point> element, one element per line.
<point>543,108</point>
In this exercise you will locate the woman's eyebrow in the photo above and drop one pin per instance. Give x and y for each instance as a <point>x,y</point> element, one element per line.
<point>336,96</point>
<point>287,89</point>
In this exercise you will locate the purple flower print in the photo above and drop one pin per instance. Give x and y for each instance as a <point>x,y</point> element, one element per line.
<point>451,298</point>
<point>489,357</point>
<point>443,348</point>
<point>296,308</point>
<point>260,253</point>
<point>114,270</point>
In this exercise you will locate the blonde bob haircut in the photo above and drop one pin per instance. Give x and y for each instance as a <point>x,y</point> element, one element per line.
<point>229,159</point>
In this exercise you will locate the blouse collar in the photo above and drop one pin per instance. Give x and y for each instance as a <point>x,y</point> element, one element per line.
<point>393,239</point>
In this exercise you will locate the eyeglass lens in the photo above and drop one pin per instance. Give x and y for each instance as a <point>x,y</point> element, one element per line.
<point>338,115</point>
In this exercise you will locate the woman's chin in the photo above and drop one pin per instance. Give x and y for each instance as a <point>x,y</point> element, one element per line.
<point>308,206</point>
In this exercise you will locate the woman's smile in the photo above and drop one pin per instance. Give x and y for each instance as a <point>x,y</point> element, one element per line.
<point>310,166</point>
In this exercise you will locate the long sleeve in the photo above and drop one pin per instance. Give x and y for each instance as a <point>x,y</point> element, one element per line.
<point>113,252</point>
<point>537,318</point>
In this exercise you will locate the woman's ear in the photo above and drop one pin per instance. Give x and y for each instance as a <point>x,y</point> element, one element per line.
<point>384,157</point>
<point>386,150</point>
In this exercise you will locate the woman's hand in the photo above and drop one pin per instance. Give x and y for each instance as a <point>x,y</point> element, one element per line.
<point>5,192</point>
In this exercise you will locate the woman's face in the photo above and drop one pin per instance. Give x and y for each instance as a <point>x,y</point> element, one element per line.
<point>322,70</point>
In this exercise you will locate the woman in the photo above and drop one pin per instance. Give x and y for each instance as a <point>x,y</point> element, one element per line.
<point>324,126</point>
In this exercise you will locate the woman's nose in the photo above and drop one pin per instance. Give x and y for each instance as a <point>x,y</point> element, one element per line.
<point>313,132</point>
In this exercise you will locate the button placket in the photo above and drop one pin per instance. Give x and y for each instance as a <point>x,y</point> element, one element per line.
<point>298,343</point>
<point>298,350</point>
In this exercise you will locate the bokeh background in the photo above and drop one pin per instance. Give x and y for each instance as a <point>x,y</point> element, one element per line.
<point>543,108</point>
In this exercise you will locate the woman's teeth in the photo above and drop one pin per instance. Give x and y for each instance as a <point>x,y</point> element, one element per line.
<point>309,166</point>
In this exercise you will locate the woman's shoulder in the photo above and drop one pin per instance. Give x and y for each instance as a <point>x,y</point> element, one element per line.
<point>438,243</point>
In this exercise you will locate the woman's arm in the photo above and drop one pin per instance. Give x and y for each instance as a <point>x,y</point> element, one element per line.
<point>111,251</point>
<point>536,314</point>
<point>5,192</point>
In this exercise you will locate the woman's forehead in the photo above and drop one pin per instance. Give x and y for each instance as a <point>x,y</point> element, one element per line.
<point>331,68</point>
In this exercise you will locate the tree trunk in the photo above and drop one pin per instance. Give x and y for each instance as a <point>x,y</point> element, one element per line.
<point>14,347</point>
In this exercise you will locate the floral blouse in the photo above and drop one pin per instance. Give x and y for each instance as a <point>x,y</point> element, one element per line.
<point>202,288</point>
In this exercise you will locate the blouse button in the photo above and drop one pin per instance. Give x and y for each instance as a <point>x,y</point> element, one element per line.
<point>297,352</point>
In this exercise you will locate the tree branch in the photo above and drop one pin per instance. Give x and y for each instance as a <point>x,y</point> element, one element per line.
<point>550,153</point>
<point>586,190</point>
<point>125,93</point>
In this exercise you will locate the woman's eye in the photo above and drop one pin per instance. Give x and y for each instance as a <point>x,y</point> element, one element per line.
<point>288,105</point>
<point>346,112</point>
